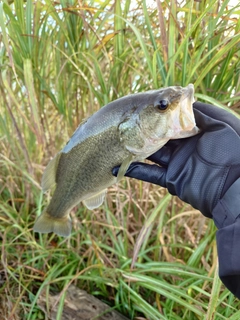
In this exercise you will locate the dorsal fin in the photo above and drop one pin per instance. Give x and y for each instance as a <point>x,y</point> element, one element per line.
<point>49,174</point>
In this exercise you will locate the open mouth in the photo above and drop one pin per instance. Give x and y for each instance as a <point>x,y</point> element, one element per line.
<point>184,124</point>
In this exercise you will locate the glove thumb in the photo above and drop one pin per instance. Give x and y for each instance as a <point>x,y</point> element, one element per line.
<point>146,172</point>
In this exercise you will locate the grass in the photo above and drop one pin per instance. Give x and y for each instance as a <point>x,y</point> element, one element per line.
<point>62,61</point>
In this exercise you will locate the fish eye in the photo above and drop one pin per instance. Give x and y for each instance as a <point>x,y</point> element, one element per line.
<point>162,104</point>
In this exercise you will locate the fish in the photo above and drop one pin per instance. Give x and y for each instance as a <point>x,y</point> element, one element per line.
<point>128,129</point>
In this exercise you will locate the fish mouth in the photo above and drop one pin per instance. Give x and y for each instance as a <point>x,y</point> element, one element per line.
<point>184,124</point>
<point>187,119</point>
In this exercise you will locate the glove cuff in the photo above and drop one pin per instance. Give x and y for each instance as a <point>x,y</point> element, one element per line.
<point>226,215</point>
<point>228,208</point>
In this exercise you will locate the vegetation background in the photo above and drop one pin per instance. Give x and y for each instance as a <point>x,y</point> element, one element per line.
<point>60,62</point>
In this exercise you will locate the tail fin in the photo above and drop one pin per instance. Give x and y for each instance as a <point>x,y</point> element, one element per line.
<point>46,223</point>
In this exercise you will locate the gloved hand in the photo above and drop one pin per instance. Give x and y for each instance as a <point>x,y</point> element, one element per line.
<point>203,171</point>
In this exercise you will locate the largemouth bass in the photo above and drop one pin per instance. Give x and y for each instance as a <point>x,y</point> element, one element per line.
<point>126,130</point>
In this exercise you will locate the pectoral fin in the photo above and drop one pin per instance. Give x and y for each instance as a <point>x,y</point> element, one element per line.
<point>49,174</point>
<point>124,166</point>
<point>95,201</point>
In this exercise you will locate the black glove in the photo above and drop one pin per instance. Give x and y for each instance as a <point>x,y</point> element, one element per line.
<point>204,171</point>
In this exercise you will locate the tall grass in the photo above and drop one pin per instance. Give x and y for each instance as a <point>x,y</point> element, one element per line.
<point>62,61</point>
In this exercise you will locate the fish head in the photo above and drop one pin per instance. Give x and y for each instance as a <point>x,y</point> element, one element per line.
<point>171,113</point>
<point>165,114</point>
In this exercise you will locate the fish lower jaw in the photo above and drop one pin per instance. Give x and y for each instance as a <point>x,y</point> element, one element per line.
<point>188,132</point>
<point>183,133</point>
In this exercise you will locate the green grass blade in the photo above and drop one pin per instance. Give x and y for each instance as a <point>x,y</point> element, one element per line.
<point>212,307</point>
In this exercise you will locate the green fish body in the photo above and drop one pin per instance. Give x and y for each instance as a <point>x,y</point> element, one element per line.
<point>126,130</point>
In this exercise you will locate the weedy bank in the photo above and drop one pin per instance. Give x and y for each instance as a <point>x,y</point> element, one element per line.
<point>62,61</point>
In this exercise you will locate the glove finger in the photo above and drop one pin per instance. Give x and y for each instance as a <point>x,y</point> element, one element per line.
<point>216,114</point>
<point>162,156</point>
<point>146,172</point>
